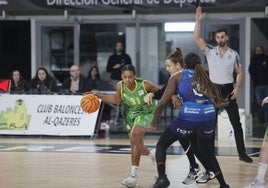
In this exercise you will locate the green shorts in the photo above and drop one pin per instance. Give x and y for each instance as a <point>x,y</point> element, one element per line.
<point>140,119</point>
<point>266,132</point>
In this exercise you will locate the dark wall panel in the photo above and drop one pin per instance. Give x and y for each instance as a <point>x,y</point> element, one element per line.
<point>15,48</point>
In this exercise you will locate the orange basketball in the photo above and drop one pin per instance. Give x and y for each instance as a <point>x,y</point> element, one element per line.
<point>90,103</point>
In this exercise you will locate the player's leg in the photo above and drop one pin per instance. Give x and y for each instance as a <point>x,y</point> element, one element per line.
<point>136,142</point>
<point>203,144</point>
<point>203,140</point>
<point>144,121</point>
<point>189,151</point>
<point>200,177</point>
<point>136,137</point>
<point>148,152</point>
<point>165,140</point>
<point>259,181</point>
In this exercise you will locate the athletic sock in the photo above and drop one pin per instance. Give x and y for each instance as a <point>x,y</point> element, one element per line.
<point>134,170</point>
<point>151,154</point>
<point>261,171</point>
<point>221,179</point>
<point>161,169</point>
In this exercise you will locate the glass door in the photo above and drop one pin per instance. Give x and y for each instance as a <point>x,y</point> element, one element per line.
<point>57,50</point>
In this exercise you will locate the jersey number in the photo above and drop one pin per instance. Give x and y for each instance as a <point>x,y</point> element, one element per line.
<point>135,101</point>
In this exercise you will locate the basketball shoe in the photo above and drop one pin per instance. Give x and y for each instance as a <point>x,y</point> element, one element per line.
<point>161,182</point>
<point>131,181</point>
<point>205,177</point>
<point>256,184</point>
<point>192,175</point>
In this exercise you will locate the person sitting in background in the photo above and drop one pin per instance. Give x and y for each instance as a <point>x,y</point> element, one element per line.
<point>42,82</point>
<point>18,84</point>
<point>259,181</point>
<point>258,70</point>
<point>94,78</point>
<point>76,83</point>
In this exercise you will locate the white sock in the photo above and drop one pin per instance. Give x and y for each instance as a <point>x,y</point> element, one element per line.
<point>261,171</point>
<point>134,170</point>
<point>152,154</point>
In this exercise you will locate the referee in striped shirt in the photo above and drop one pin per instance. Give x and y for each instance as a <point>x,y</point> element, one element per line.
<point>222,62</point>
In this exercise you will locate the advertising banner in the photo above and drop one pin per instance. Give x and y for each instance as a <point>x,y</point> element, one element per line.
<point>45,115</point>
<point>104,5</point>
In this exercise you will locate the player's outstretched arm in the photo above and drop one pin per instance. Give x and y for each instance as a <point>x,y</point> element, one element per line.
<point>114,99</point>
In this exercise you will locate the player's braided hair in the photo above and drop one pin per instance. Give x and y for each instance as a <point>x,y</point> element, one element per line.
<point>201,82</point>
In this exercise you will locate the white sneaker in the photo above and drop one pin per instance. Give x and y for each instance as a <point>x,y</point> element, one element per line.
<point>131,181</point>
<point>152,156</point>
<point>211,175</point>
<point>256,184</point>
<point>205,177</point>
<point>192,175</point>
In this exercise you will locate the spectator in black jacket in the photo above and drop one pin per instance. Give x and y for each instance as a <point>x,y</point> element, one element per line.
<point>43,83</point>
<point>258,70</point>
<point>117,61</point>
<point>76,83</point>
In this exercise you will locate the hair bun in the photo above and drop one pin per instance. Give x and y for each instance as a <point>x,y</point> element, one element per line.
<point>178,51</point>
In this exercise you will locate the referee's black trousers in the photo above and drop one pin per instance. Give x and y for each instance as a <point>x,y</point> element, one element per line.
<point>233,114</point>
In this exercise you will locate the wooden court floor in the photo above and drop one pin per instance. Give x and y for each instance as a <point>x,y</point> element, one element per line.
<point>99,163</point>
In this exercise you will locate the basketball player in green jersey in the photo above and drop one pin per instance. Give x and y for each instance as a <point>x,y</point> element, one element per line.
<point>130,91</point>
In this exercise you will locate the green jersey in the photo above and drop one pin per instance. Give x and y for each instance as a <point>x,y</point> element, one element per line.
<point>135,110</point>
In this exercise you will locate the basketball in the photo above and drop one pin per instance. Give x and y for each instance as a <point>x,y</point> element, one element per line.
<point>90,103</point>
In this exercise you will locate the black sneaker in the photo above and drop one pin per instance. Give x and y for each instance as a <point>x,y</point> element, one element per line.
<point>244,157</point>
<point>161,182</point>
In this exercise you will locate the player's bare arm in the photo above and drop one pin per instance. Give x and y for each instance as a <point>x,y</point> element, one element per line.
<point>114,99</point>
<point>150,86</point>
